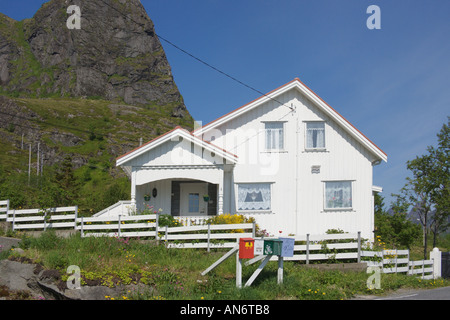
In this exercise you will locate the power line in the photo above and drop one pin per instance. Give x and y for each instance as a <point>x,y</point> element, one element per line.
<point>198,59</point>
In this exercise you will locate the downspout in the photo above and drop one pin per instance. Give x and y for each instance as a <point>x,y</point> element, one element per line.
<point>296,171</point>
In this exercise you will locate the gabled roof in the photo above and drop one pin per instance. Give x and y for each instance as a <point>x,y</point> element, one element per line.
<point>313,97</point>
<point>171,136</point>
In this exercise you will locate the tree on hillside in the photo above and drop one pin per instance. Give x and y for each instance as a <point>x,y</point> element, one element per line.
<point>396,230</point>
<point>427,190</point>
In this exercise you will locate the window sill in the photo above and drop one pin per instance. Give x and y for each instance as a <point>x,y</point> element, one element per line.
<point>316,150</point>
<point>338,210</point>
<point>274,151</point>
<point>255,211</point>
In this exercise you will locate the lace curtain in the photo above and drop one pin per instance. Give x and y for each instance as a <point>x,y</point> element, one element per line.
<point>315,135</point>
<point>338,194</point>
<point>274,136</point>
<point>254,196</point>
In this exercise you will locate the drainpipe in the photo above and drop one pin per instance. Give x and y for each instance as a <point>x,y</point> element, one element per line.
<point>296,170</point>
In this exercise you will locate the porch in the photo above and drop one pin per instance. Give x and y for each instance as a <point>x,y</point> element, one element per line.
<point>190,201</point>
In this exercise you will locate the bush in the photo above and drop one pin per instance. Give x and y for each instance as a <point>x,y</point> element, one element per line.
<point>167,220</point>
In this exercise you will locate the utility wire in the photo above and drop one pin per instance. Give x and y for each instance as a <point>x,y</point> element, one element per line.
<point>198,59</point>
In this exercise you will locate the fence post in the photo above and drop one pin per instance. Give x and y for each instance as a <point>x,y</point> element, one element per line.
<point>209,235</point>
<point>238,268</point>
<point>436,256</point>
<point>81,230</point>
<point>45,220</point>
<point>118,228</point>
<point>14,219</point>
<point>156,228</point>
<point>396,256</point>
<point>76,217</point>
<point>165,238</point>
<point>307,248</point>
<point>254,230</point>
<point>359,246</point>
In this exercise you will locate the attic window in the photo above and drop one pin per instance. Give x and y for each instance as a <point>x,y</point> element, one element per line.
<point>274,135</point>
<point>315,135</point>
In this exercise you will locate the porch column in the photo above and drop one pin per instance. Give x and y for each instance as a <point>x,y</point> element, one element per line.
<point>220,194</point>
<point>133,187</point>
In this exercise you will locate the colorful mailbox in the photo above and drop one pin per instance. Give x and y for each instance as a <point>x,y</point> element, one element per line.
<point>246,248</point>
<point>287,247</point>
<point>272,247</point>
<point>259,247</point>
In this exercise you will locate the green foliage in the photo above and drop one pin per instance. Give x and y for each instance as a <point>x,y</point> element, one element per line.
<point>427,191</point>
<point>167,220</point>
<point>175,273</point>
<point>396,230</point>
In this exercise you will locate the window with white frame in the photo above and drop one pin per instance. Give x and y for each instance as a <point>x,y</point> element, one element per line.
<point>315,135</point>
<point>274,135</point>
<point>338,195</point>
<point>253,196</point>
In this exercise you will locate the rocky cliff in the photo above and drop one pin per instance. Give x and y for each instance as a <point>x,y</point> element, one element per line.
<point>115,55</point>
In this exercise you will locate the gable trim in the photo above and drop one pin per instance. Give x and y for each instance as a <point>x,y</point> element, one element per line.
<point>170,135</point>
<point>312,96</point>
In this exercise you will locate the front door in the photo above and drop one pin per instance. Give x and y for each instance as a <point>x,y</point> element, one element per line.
<point>191,196</point>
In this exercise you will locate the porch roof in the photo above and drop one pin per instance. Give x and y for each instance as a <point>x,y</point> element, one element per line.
<point>174,135</point>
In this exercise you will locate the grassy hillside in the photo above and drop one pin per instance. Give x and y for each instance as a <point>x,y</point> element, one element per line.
<point>80,139</point>
<point>176,273</point>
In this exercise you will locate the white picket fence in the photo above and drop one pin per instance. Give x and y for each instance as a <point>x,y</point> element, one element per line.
<point>195,236</point>
<point>42,219</point>
<point>4,207</point>
<point>119,226</point>
<point>397,261</point>
<point>207,236</point>
<point>326,247</point>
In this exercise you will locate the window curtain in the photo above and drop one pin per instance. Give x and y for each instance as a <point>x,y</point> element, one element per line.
<point>338,194</point>
<point>254,196</point>
<point>315,135</point>
<point>274,135</point>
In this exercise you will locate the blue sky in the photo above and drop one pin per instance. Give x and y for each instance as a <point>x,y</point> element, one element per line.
<point>392,83</point>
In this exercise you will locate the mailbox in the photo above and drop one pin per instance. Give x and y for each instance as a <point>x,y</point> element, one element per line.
<point>259,247</point>
<point>272,247</point>
<point>246,248</point>
<point>287,247</point>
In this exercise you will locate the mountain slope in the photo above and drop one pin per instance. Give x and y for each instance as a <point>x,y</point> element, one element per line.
<point>82,98</point>
<point>115,55</point>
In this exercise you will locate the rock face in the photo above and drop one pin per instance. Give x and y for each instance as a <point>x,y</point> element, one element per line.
<point>30,281</point>
<point>115,55</point>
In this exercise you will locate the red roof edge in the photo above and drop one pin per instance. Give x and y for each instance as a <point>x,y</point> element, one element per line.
<point>154,139</point>
<point>168,132</point>
<point>295,79</point>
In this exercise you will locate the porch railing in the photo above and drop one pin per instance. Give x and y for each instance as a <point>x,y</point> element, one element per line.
<point>192,220</point>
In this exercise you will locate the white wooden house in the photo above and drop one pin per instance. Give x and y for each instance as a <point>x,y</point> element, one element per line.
<point>287,158</point>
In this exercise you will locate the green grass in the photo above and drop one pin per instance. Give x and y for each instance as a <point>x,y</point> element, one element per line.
<point>175,273</point>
